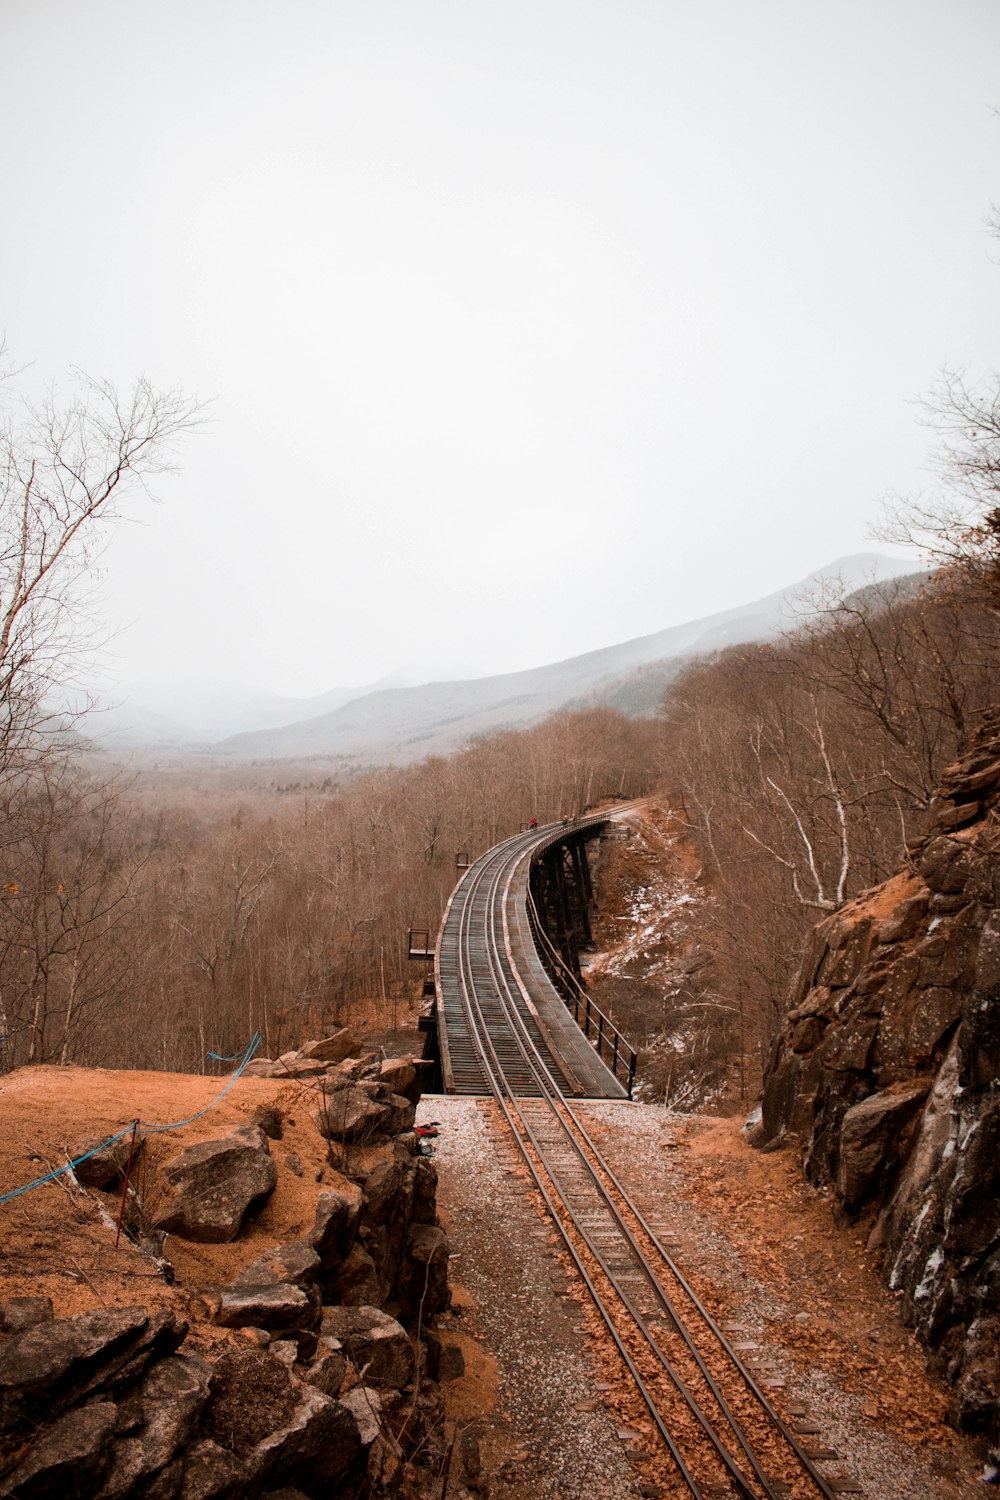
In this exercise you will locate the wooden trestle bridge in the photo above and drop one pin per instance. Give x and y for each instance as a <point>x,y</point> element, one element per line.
<point>509,998</point>
<point>511,934</point>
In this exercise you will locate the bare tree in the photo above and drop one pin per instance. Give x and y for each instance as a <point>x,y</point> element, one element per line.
<point>959,530</point>
<point>65,466</point>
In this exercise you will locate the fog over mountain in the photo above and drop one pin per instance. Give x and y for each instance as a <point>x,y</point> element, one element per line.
<point>396,720</point>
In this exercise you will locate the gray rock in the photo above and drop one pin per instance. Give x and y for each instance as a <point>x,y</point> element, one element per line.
<point>400,1074</point>
<point>294,1065</point>
<point>870,1139</point>
<point>53,1363</point>
<point>333,1049</point>
<point>358,1283</point>
<point>107,1166</point>
<point>349,1115</point>
<point>384,1196</point>
<point>296,1263</point>
<point>215,1184</point>
<point>213,1473</point>
<point>264,1067</point>
<point>374,1343</point>
<point>68,1458</point>
<point>365,1406</point>
<point>337,1214</point>
<point>401,1114</point>
<point>287,1350</point>
<point>422,1285</point>
<point>17,1314</point>
<point>170,1402</point>
<point>317,1445</point>
<point>329,1366</point>
<point>276,1306</point>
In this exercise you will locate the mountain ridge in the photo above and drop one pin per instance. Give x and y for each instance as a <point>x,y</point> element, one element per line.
<point>440,716</point>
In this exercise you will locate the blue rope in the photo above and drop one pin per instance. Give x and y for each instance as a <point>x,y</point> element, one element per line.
<point>70,1166</point>
<point>151,1129</point>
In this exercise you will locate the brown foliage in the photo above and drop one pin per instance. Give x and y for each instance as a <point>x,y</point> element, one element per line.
<point>152,926</point>
<point>806,765</point>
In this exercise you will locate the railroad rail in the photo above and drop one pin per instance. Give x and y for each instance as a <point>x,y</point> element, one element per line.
<point>579,1044</point>
<point>720,1432</point>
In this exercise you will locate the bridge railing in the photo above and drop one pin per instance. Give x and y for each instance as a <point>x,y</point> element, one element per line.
<point>609,1043</point>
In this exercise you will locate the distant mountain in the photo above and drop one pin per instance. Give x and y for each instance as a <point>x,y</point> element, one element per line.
<point>181,714</point>
<point>401,724</point>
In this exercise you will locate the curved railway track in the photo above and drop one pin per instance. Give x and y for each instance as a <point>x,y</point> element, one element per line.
<point>716,1426</point>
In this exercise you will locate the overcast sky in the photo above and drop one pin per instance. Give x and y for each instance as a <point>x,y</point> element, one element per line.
<point>530,327</point>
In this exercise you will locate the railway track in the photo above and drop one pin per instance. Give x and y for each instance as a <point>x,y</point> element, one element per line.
<point>717,1431</point>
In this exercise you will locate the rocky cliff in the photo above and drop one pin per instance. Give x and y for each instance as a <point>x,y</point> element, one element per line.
<point>887,1069</point>
<point>312,1371</point>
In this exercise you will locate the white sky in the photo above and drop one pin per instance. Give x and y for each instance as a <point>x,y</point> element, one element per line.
<point>531,325</point>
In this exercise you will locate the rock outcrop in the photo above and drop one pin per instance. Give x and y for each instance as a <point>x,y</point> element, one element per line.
<point>216,1183</point>
<point>312,1371</point>
<point>888,1071</point>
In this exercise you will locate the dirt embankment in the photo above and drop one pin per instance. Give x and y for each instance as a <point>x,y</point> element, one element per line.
<point>54,1242</point>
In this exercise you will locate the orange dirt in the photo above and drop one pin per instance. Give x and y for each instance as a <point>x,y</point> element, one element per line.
<point>53,1241</point>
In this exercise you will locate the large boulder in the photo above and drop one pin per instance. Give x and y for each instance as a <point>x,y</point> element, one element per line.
<point>294,1065</point>
<point>54,1363</point>
<point>216,1183</point>
<point>282,1429</point>
<point>374,1343</point>
<point>349,1115</point>
<point>333,1049</point>
<point>336,1224</point>
<point>276,1306</point>
<point>400,1075</point>
<point>68,1458</point>
<point>296,1263</point>
<point>158,1422</point>
<point>264,1067</point>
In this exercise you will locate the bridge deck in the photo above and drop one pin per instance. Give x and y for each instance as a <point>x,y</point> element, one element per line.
<point>571,1059</point>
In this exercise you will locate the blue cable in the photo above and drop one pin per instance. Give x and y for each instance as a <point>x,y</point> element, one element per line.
<point>151,1129</point>
<point>255,1042</point>
<point>50,1176</point>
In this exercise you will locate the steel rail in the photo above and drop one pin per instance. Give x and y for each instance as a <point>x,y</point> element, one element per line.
<point>501,1091</point>
<point>550,1098</point>
<point>614,1280</point>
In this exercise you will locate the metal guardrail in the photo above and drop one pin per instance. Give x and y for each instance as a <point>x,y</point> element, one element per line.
<point>598,1028</point>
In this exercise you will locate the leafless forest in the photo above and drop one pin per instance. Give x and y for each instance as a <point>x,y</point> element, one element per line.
<point>146,927</point>
<point>804,767</point>
<point>148,919</point>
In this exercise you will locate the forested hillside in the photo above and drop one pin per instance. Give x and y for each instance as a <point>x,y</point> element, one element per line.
<point>803,768</point>
<point>147,919</point>
<point>144,924</point>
